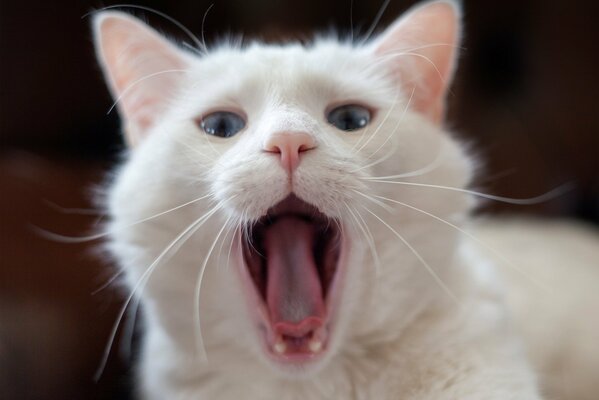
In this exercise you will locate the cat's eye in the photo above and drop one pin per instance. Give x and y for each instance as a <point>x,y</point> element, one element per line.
<point>222,124</point>
<point>349,117</point>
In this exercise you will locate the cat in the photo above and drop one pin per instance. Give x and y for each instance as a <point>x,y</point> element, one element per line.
<point>291,218</point>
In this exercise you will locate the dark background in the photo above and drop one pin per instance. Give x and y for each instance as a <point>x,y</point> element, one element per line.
<point>525,97</point>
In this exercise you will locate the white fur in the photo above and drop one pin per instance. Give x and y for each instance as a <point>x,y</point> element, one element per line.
<point>399,334</point>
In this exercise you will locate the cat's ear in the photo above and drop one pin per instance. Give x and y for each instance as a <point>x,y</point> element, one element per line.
<point>420,51</point>
<point>141,68</point>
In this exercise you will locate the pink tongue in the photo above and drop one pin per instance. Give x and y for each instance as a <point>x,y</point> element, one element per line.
<point>293,290</point>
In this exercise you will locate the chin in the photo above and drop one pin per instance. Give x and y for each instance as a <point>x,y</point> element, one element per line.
<point>292,263</point>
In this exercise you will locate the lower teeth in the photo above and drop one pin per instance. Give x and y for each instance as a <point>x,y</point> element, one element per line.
<point>315,346</point>
<point>280,347</point>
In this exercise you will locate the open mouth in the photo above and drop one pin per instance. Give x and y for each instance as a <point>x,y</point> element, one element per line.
<point>292,258</point>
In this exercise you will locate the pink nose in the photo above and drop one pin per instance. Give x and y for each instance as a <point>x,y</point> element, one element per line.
<point>289,145</point>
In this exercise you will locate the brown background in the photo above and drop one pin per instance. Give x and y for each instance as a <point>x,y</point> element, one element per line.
<point>525,97</point>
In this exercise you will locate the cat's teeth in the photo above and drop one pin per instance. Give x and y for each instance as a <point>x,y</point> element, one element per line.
<point>280,347</point>
<point>315,346</point>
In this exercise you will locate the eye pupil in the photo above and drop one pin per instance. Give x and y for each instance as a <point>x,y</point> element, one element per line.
<point>349,117</point>
<point>222,124</point>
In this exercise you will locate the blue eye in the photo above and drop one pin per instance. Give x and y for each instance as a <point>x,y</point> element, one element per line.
<point>349,117</point>
<point>222,124</point>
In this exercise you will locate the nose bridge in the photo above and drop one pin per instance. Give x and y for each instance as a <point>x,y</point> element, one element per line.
<point>287,119</point>
<point>290,135</point>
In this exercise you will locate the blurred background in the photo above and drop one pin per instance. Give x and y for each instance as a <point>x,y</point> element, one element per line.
<point>525,97</point>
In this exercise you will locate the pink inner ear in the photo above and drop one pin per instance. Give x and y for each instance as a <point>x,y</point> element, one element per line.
<point>143,69</point>
<point>420,48</point>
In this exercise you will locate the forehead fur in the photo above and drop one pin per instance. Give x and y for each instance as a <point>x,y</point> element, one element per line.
<point>326,70</point>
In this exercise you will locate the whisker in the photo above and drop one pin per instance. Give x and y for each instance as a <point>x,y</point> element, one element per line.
<point>125,92</point>
<point>367,234</point>
<point>379,203</point>
<point>403,114</point>
<point>109,282</point>
<point>382,159</point>
<point>98,220</point>
<point>366,132</point>
<point>249,234</point>
<point>199,152</point>
<point>236,229</point>
<point>191,48</point>
<point>160,14</point>
<point>175,244</point>
<point>203,22</point>
<point>191,89</point>
<point>128,331</point>
<point>70,210</point>
<point>477,240</point>
<point>375,22</point>
<point>230,229</point>
<point>337,222</point>
<point>419,257</point>
<point>421,171</point>
<point>198,328</point>
<point>496,176</point>
<point>378,128</point>
<point>528,201</point>
<point>81,239</point>
<point>351,20</point>
<point>410,52</point>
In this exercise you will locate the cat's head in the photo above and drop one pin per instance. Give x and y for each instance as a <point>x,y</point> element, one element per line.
<point>295,241</point>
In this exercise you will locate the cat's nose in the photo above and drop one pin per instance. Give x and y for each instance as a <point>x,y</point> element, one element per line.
<point>289,146</point>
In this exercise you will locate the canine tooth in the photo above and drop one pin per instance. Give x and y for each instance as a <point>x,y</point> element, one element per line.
<point>280,347</point>
<point>315,346</point>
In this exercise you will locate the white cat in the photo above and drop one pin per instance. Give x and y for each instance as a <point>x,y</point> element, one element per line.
<point>278,216</point>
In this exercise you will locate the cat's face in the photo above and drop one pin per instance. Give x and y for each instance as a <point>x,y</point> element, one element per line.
<point>296,252</point>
